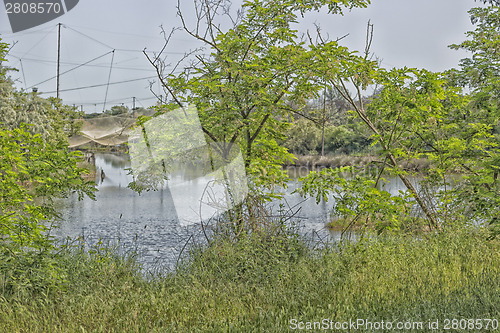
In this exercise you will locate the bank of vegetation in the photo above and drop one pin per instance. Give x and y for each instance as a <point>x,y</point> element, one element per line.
<point>430,252</point>
<point>260,284</point>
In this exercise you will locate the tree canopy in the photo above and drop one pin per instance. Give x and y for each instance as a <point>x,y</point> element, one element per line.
<point>36,166</point>
<point>244,89</point>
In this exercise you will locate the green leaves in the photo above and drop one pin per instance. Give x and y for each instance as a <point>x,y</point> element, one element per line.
<point>33,173</point>
<point>481,72</point>
<point>356,197</point>
<point>256,70</point>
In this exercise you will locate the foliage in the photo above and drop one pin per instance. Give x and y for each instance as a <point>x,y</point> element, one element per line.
<point>362,72</point>
<point>303,137</point>
<point>327,117</point>
<point>356,197</point>
<point>480,73</point>
<point>254,77</point>
<point>117,110</point>
<point>54,121</point>
<point>345,139</point>
<point>35,164</point>
<point>244,88</point>
<point>33,174</point>
<point>65,120</point>
<point>418,114</point>
<point>35,169</point>
<point>49,117</point>
<point>423,117</point>
<point>266,169</point>
<point>260,284</point>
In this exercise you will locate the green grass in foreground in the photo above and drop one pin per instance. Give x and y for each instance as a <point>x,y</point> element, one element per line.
<point>261,283</point>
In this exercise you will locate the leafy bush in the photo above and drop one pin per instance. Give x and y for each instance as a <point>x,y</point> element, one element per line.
<point>356,198</point>
<point>344,140</point>
<point>33,173</point>
<point>263,283</point>
<point>303,137</point>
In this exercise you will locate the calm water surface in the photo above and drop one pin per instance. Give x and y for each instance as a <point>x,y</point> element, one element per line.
<point>148,223</point>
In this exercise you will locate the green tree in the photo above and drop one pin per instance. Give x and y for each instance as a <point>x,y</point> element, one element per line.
<point>303,137</point>
<point>346,139</point>
<point>419,114</point>
<point>244,88</point>
<point>50,118</point>
<point>34,172</point>
<point>356,74</point>
<point>480,73</point>
<point>329,109</point>
<point>357,199</point>
<point>35,168</point>
<point>118,110</point>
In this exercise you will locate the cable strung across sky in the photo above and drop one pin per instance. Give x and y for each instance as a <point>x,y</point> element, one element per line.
<point>72,69</point>
<point>407,33</point>
<point>100,85</point>
<point>85,65</point>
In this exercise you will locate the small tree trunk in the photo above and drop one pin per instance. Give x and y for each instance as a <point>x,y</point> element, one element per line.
<point>323,125</point>
<point>323,141</point>
<point>428,213</point>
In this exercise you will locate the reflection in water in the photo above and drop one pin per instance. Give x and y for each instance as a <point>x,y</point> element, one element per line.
<point>148,223</point>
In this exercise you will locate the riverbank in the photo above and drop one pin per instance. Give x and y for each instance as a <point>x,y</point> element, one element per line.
<point>336,161</point>
<point>408,225</point>
<point>87,162</point>
<point>301,161</point>
<point>263,284</point>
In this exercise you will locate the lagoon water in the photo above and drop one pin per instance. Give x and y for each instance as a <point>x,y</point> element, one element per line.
<point>148,223</point>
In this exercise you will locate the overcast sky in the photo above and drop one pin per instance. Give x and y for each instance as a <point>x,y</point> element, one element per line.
<point>406,33</point>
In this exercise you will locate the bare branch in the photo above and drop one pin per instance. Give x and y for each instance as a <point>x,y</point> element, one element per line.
<point>369,39</point>
<point>167,40</point>
<point>199,18</point>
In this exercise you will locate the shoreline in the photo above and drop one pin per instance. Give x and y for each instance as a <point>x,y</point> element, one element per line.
<point>337,161</point>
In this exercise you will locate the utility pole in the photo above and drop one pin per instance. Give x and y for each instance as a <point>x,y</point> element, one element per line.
<point>58,57</point>
<point>133,107</point>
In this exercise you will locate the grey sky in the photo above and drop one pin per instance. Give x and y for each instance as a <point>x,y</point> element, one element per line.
<point>406,33</point>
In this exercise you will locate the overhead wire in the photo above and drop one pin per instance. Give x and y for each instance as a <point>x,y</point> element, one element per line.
<point>72,69</point>
<point>22,71</point>
<point>122,100</point>
<point>115,33</point>
<point>88,63</point>
<point>87,36</point>
<point>99,85</point>
<point>139,100</point>
<point>75,63</point>
<point>41,39</point>
<point>119,49</point>
<point>109,78</point>
<point>24,33</point>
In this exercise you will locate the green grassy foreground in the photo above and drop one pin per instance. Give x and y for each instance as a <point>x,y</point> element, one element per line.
<point>262,283</point>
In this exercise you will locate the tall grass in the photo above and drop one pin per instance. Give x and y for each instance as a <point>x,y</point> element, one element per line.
<point>262,282</point>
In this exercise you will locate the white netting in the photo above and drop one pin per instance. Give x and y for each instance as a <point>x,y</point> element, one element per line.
<point>106,131</point>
